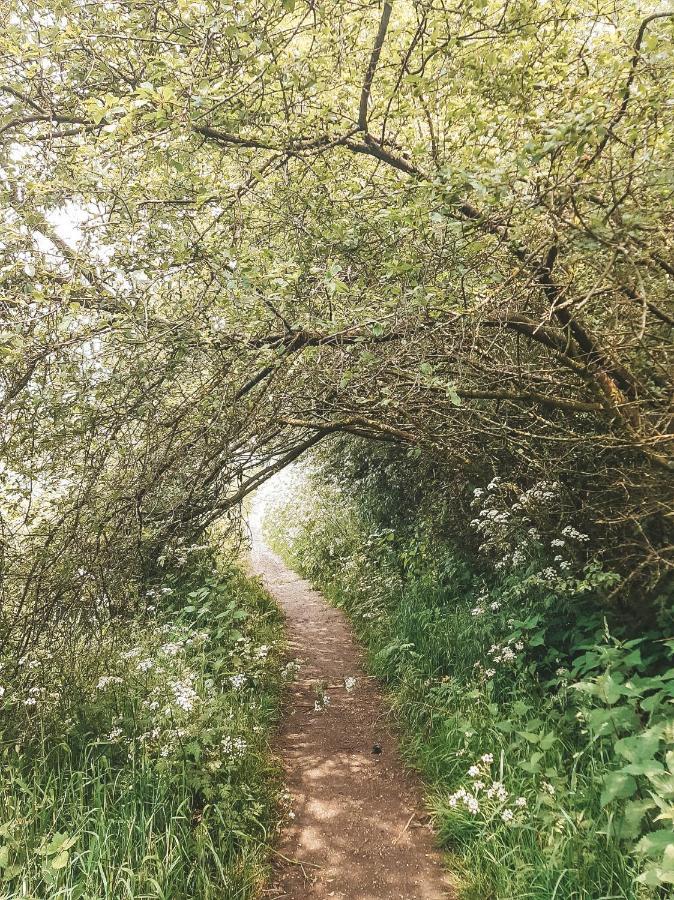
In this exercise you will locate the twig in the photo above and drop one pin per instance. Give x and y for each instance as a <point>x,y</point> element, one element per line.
<point>409,822</point>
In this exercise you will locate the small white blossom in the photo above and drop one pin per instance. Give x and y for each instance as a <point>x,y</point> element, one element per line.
<point>105,680</point>
<point>507,815</point>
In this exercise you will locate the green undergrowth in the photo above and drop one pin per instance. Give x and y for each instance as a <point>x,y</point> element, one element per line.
<point>544,735</point>
<point>137,765</point>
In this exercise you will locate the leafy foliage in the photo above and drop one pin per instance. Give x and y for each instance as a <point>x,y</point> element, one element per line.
<point>545,733</point>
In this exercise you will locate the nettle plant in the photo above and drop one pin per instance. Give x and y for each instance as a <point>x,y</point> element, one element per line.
<point>613,696</point>
<point>626,698</point>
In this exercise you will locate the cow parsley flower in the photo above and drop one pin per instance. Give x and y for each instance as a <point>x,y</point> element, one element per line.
<point>184,695</point>
<point>238,681</point>
<point>105,680</point>
<point>234,747</point>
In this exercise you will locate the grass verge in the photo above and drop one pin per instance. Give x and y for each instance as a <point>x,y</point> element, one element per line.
<point>545,741</point>
<point>139,766</point>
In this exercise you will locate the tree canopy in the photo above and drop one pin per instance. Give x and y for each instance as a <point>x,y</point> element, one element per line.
<point>230,230</point>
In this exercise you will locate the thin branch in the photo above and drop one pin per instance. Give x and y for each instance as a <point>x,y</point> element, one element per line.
<point>372,67</point>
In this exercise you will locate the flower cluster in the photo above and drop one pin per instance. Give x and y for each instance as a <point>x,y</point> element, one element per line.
<point>321,702</point>
<point>486,794</point>
<point>234,747</point>
<point>506,522</point>
<point>184,694</point>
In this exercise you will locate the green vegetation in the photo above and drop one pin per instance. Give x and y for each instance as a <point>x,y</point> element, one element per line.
<point>544,731</point>
<point>232,231</point>
<point>138,765</point>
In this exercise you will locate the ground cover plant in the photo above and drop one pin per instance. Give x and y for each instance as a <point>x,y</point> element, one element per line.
<point>542,726</point>
<point>138,764</point>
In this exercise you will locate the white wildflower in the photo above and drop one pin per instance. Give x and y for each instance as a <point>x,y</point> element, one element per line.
<point>184,695</point>
<point>145,665</point>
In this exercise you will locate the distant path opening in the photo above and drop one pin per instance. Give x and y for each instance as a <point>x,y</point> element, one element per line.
<point>359,831</point>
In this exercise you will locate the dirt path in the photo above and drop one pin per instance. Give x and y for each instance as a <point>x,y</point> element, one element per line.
<point>358,831</point>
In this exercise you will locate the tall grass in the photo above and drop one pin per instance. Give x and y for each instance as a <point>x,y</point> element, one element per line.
<point>118,791</point>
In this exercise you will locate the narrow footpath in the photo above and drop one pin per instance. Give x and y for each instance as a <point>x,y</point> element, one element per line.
<point>359,830</point>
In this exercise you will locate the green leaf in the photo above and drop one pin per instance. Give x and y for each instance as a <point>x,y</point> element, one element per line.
<point>635,810</point>
<point>617,786</point>
<point>655,842</point>
<point>60,841</point>
<point>640,747</point>
<point>60,861</point>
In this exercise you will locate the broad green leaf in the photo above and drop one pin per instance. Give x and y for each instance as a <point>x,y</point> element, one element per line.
<point>617,786</point>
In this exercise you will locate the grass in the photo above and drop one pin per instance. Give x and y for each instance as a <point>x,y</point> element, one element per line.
<point>111,789</point>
